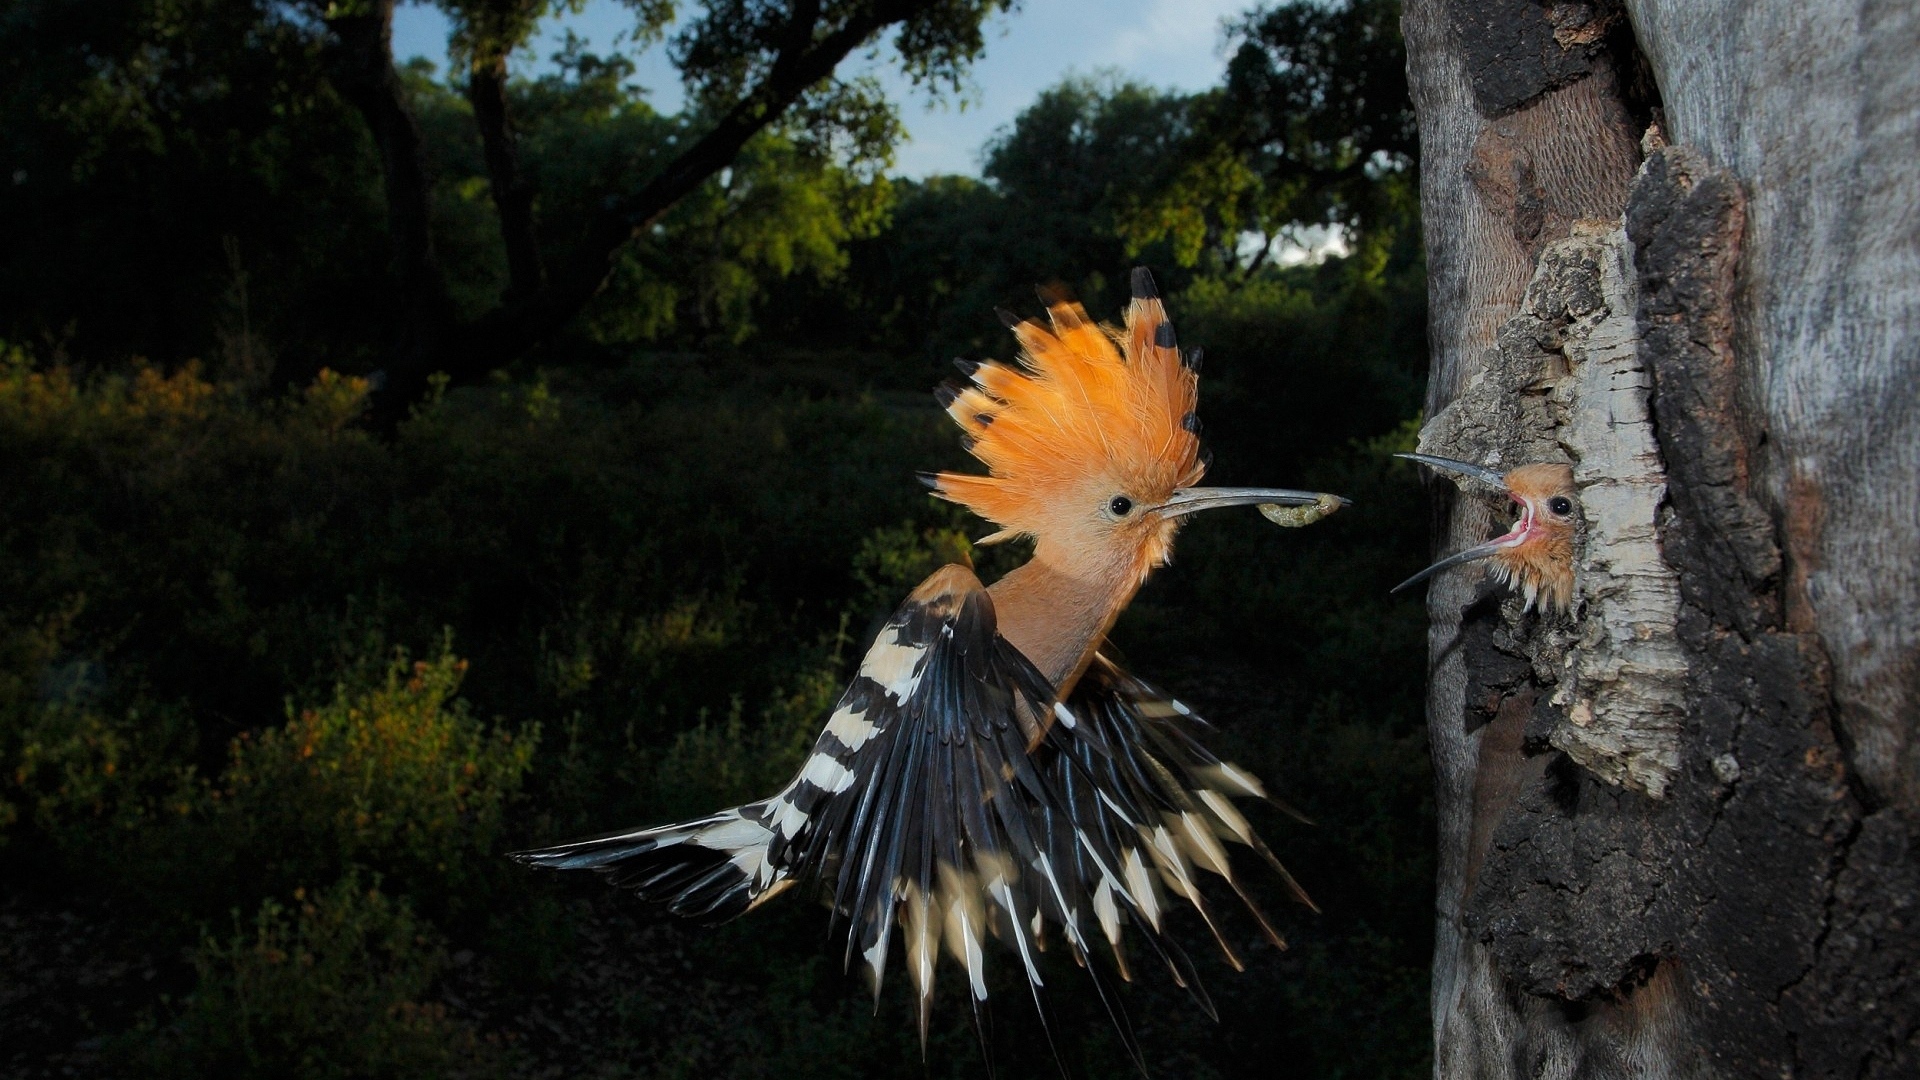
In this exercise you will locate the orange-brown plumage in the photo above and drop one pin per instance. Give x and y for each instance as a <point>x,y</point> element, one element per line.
<point>1093,450</point>
<point>1086,408</point>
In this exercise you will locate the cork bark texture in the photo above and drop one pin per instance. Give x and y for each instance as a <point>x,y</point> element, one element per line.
<point>1675,835</point>
<point>1566,384</point>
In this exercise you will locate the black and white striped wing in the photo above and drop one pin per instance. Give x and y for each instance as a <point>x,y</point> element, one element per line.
<point>916,809</point>
<point>946,823</point>
<point>1151,807</point>
<point>928,813</point>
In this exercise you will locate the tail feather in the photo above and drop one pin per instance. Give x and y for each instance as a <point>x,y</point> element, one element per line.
<point>710,869</point>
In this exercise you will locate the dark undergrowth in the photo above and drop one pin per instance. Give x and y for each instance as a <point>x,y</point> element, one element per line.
<point>277,692</point>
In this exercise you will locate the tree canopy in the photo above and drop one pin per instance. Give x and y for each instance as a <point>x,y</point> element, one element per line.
<point>238,107</point>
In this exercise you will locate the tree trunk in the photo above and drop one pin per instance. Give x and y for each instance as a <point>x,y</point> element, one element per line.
<point>512,193</point>
<point>360,66</point>
<point>1678,827</point>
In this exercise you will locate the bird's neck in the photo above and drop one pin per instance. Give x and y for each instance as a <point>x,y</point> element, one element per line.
<point>1057,616</point>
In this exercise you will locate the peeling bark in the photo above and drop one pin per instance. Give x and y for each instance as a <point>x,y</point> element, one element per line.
<point>1566,384</point>
<point>1676,837</point>
<point>1623,681</point>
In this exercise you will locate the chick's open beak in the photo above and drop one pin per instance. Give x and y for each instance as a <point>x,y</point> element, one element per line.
<point>1488,550</point>
<point>1192,500</point>
<point>1473,554</point>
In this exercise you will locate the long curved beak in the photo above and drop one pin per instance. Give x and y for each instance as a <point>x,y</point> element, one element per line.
<point>1193,500</point>
<point>1473,554</point>
<point>1464,468</point>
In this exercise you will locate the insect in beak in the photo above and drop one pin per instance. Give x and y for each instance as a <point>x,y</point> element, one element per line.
<point>1193,500</point>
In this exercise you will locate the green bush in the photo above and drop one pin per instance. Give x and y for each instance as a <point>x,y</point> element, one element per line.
<point>716,764</point>
<point>94,779</point>
<point>334,986</point>
<point>394,773</point>
<point>87,775</point>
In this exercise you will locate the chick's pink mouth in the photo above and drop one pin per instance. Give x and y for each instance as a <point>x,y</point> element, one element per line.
<point>1523,529</point>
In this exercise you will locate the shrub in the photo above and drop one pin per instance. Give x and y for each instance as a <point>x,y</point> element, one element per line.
<point>85,774</point>
<point>894,559</point>
<point>393,774</point>
<point>333,986</point>
<point>716,764</point>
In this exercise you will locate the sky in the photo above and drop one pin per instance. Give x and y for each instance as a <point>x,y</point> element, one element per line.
<point>1170,44</point>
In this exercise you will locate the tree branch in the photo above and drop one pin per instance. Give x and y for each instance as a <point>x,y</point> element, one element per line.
<point>522,321</point>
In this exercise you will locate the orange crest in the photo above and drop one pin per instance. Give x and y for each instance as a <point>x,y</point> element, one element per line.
<point>1086,404</point>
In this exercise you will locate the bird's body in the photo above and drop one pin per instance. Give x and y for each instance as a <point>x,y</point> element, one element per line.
<point>1535,556</point>
<point>989,772</point>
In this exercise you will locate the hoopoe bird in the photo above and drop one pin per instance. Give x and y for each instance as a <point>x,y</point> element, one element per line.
<point>990,772</point>
<point>1535,556</point>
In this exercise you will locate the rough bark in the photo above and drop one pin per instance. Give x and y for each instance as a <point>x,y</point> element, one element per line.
<point>1815,110</point>
<point>360,66</point>
<point>1677,824</point>
<point>512,192</point>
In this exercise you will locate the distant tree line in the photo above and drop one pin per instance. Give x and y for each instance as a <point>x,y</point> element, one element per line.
<point>256,183</point>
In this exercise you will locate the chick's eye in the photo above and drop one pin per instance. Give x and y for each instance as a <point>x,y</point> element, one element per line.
<point>1560,504</point>
<point>1121,506</point>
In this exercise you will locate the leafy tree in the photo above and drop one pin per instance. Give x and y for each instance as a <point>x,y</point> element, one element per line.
<point>789,204</point>
<point>178,181</point>
<point>199,174</point>
<point>1058,182</point>
<point>748,64</point>
<point>1313,127</point>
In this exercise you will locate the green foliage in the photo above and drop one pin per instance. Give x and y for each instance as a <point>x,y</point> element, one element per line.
<point>393,773</point>
<point>790,203</point>
<point>730,43</point>
<point>779,210</point>
<point>1059,186</point>
<point>731,762</point>
<point>335,986</point>
<point>1313,128</point>
<point>222,200</point>
<point>92,778</point>
<point>160,152</point>
<point>894,559</point>
<point>1303,361</point>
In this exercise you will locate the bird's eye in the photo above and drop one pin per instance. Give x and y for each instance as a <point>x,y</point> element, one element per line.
<point>1560,504</point>
<point>1121,506</point>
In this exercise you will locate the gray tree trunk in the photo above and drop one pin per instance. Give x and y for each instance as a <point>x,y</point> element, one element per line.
<point>1676,244</point>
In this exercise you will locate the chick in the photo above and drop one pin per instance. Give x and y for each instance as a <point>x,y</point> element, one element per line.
<point>1534,557</point>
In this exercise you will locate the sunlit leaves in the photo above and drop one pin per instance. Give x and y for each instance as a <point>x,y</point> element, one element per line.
<point>1313,127</point>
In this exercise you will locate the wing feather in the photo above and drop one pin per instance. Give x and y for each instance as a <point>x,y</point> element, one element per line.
<point>924,811</point>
